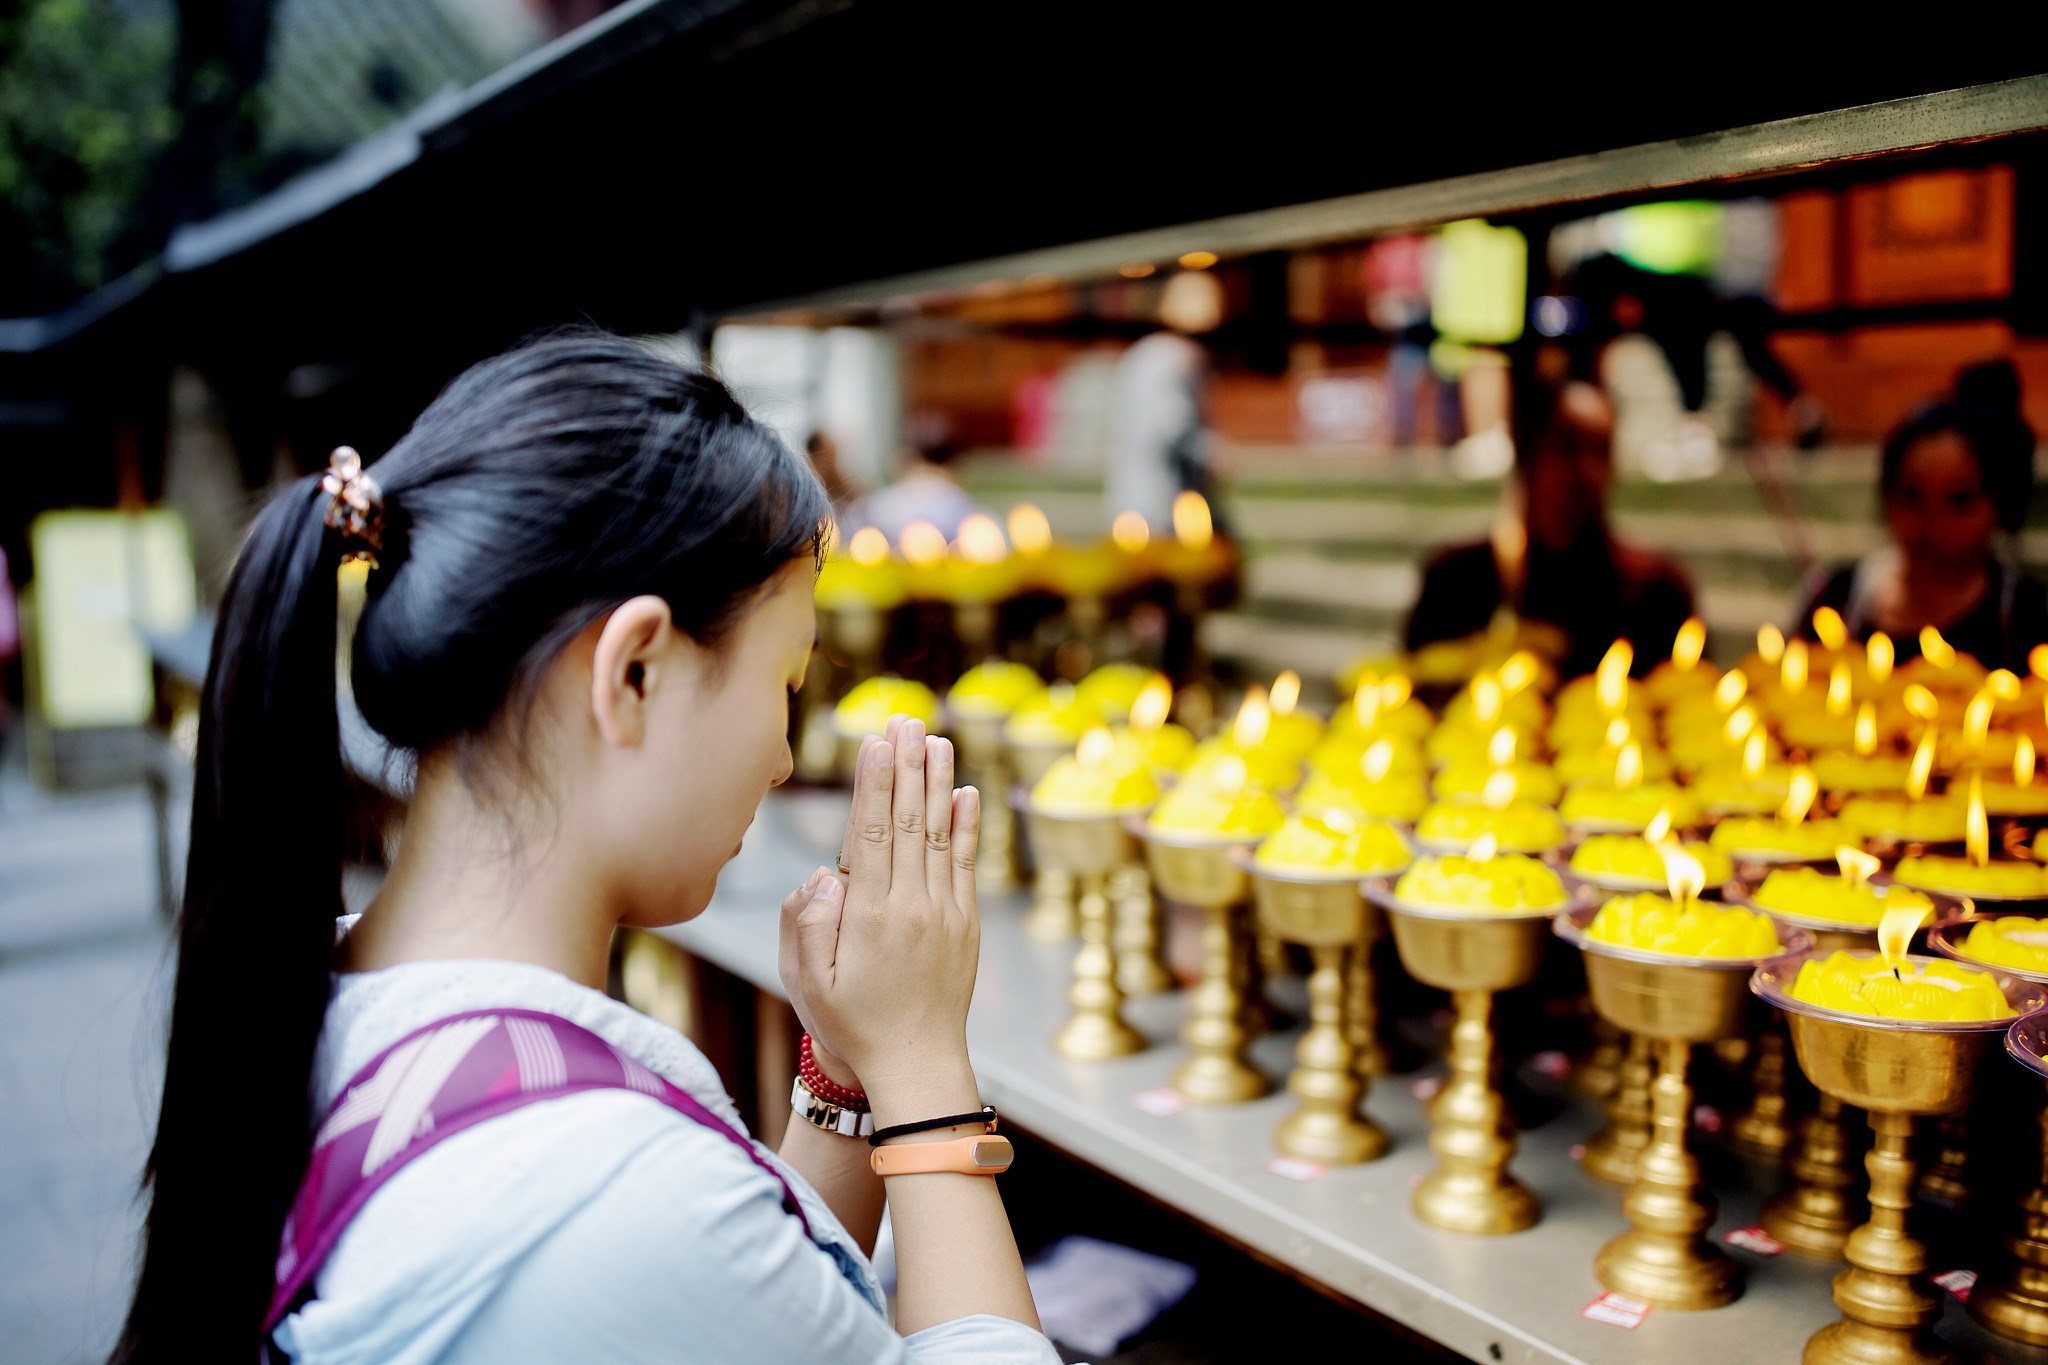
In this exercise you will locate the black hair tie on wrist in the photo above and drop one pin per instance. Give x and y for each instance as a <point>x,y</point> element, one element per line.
<point>985,1115</point>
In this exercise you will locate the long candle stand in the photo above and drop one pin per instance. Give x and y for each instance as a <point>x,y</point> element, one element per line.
<point>1615,1153</point>
<point>1088,848</point>
<point>1202,875</point>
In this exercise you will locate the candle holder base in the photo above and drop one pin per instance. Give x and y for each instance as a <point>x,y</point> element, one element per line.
<point>1471,1190</point>
<point>1327,1125</point>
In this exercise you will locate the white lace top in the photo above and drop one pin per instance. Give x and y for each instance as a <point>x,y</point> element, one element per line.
<point>600,1226</point>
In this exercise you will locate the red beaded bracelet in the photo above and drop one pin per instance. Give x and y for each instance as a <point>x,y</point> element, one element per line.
<point>825,1089</point>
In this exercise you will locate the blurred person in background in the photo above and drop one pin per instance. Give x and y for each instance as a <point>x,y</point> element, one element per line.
<point>924,488</point>
<point>823,453</point>
<point>1953,476</point>
<point>426,1132</point>
<point>1552,557</point>
<point>1159,443</point>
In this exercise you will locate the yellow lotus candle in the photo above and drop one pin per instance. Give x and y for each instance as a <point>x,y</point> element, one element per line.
<point>1482,881</point>
<point>1467,780</point>
<point>1290,731</point>
<point>1636,859</point>
<point>867,706</point>
<point>1920,988</point>
<point>1596,806</point>
<point>1519,826</point>
<point>1055,716</point>
<point>1195,557</point>
<point>1150,737</point>
<point>978,566</point>
<point>1859,774</point>
<point>2004,880</point>
<point>1269,766</point>
<point>1095,780</point>
<point>1770,840</point>
<point>862,578</point>
<point>1902,820</point>
<point>1846,899</point>
<point>1371,788</point>
<point>2013,941</point>
<point>1111,690</point>
<point>994,688</point>
<point>1750,787</point>
<point>2019,797</point>
<point>1680,923</point>
<point>1382,706</point>
<point>1331,843</point>
<point>1681,676</point>
<point>1341,755</point>
<point>1223,803</point>
<point>1483,706</point>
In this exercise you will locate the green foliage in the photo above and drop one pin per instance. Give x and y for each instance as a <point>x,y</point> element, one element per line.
<point>85,110</point>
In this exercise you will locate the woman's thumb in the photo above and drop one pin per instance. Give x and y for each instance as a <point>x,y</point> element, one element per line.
<point>817,932</point>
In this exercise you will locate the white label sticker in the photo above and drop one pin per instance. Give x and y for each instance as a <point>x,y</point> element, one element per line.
<point>1754,1239</point>
<point>1426,1087</point>
<point>1162,1103</point>
<point>1958,1283</point>
<point>1294,1168</point>
<point>1616,1310</point>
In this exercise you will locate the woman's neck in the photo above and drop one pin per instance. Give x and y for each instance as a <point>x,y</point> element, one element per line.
<point>466,884</point>
<point>1936,594</point>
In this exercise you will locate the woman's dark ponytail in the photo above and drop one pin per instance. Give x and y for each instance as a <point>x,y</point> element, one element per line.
<point>540,490</point>
<point>262,890</point>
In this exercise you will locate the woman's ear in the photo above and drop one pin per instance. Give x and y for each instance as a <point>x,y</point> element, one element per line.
<point>634,655</point>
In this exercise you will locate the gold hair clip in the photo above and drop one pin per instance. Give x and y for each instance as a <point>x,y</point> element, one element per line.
<point>355,505</point>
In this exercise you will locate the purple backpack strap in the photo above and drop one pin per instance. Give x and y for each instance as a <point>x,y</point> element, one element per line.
<point>435,1082</point>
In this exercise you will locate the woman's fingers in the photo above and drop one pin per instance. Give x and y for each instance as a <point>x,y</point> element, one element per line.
<point>966,845</point>
<point>938,817</point>
<point>860,775</point>
<point>907,803</point>
<point>871,825</point>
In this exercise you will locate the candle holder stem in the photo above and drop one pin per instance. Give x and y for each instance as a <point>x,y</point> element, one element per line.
<point>1052,917</point>
<point>1216,1071</point>
<point>995,865</point>
<point>1326,1125</point>
<point>1471,1189</point>
<point>2012,1297</point>
<point>1814,1215</point>
<point>1597,1077</point>
<point>1888,1307</point>
<point>1765,1127</point>
<point>1140,944</point>
<point>1260,1014</point>
<point>1664,1258</point>
<point>1946,1179</point>
<point>1361,1011</point>
<point>1614,1153</point>
<point>1096,1030</point>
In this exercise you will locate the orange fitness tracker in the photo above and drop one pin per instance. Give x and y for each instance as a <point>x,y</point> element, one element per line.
<point>979,1154</point>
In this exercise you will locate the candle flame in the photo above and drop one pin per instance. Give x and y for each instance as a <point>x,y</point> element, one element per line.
<point>1230,774</point>
<point>1829,628</point>
<point>1484,847</point>
<point>1192,524</point>
<point>1923,766</point>
<point>1659,827</point>
<point>868,546</point>
<point>1395,692</point>
<point>1976,829</point>
<point>1377,760</point>
<point>1799,798</point>
<point>1337,820</point>
<point>1286,692</point>
<point>1095,747</point>
<point>1739,724</point>
<point>1030,532</point>
<point>1880,655</point>
<point>1977,722</point>
<point>1839,695</point>
<point>1895,932</point>
<point>1857,866</point>
<point>1728,692</point>
<point>1130,532</point>
<point>1936,650</point>
<point>2037,662</point>
<point>2023,761</point>
<point>1628,765</point>
<point>1610,680</point>
<point>1499,789</point>
<point>1920,703</point>
<point>1683,875</point>
<point>1753,755</point>
<point>981,540</point>
<point>1690,644</point>
<point>922,543</point>
<point>2003,684</point>
<point>1770,643</point>
<point>1487,699</point>
<point>1866,729</point>
<point>1500,750</point>
<point>1365,704</point>
<point>1149,709</point>
<point>1617,732</point>
<point>1792,667</point>
<point>1518,672</point>
<point>1254,718</point>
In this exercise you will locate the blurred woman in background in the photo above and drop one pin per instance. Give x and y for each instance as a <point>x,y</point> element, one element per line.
<point>1954,475</point>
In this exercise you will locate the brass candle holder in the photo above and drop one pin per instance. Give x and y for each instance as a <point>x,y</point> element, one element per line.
<point>1473,954</point>
<point>1600,1073</point>
<point>1087,849</point>
<point>1615,1153</point>
<point>1202,874</point>
<point>1138,933</point>
<point>1664,1258</point>
<point>1329,917</point>
<point>1052,917</point>
<point>2011,1297</point>
<point>1764,1127</point>
<point>1897,1069</point>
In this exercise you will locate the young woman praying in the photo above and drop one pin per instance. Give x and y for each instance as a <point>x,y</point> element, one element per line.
<point>427,1134</point>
